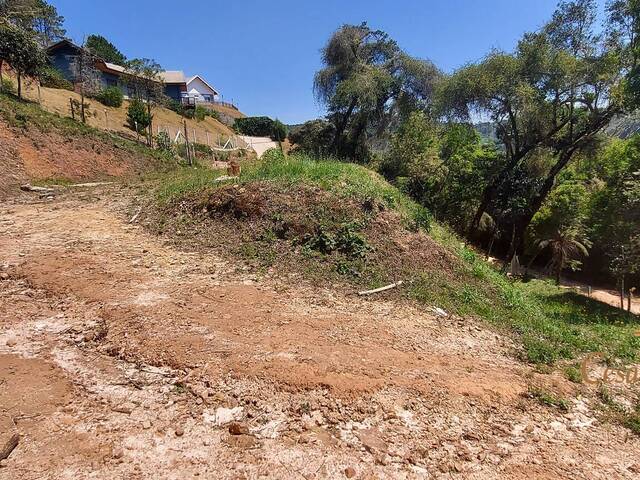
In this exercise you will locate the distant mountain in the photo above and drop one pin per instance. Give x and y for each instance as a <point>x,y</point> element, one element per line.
<point>620,127</point>
<point>625,126</point>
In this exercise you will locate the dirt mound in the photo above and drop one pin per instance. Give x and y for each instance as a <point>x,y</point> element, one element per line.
<point>28,154</point>
<point>303,228</point>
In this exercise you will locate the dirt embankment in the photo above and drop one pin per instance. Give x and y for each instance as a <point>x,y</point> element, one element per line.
<point>28,155</point>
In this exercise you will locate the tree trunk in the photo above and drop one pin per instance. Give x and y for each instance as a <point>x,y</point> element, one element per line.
<point>489,192</point>
<point>150,133</point>
<point>341,126</point>
<point>622,292</point>
<point>1,65</point>
<point>19,85</point>
<point>82,116</point>
<point>525,219</point>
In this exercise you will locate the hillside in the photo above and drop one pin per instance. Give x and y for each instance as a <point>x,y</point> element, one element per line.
<point>37,146</point>
<point>114,119</point>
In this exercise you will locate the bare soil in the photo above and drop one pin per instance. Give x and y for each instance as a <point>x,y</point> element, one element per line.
<point>122,356</point>
<point>28,155</point>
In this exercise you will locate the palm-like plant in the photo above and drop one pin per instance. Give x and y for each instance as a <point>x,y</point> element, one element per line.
<point>565,245</point>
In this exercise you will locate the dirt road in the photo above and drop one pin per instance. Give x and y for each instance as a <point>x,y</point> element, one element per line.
<point>122,357</point>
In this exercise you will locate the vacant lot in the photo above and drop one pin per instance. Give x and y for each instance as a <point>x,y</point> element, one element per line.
<point>144,354</point>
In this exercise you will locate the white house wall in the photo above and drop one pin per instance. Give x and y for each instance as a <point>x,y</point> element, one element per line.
<point>197,88</point>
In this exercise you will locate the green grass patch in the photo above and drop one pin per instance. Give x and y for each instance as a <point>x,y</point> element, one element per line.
<point>548,399</point>
<point>552,323</point>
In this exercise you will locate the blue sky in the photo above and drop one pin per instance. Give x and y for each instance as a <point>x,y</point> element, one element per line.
<point>263,54</point>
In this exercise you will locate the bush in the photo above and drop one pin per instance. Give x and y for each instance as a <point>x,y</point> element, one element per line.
<point>111,97</point>
<point>53,78</point>
<point>137,115</point>
<point>199,113</point>
<point>163,142</point>
<point>261,127</point>
<point>7,86</point>
<point>313,137</point>
<point>279,133</point>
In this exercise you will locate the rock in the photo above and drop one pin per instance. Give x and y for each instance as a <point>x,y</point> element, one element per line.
<point>227,415</point>
<point>4,276</point>
<point>371,442</point>
<point>237,428</point>
<point>635,468</point>
<point>146,424</point>
<point>126,408</point>
<point>349,472</point>
<point>242,441</point>
<point>11,342</point>
<point>179,431</point>
<point>3,463</point>
<point>117,453</point>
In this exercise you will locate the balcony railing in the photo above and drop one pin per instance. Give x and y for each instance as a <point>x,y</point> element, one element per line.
<point>192,101</point>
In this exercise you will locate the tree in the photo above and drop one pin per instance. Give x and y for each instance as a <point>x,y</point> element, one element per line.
<point>85,77</point>
<point>143,77</point>
<point>37,16</point>
<point>313,137</point>
<point>614,211</point>
<point>557,92</point>
<point>279,132</point>
<point>104,49</point>
<point>565,246</point>
<point>413,159</point>
<point>138,117</point>
<point>20,49</point>
<point>364,76</point>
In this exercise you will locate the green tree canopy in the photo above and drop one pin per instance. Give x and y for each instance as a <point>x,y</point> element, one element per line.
<point>103,48</point>
<point>37,16</point>
<point>365,83</point>
<point>20,49</point>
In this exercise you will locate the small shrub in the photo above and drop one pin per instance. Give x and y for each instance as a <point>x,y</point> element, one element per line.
<point>200,113</point>
<point>548,399</point>
<point>53,78</point>
<point>137,116</point>
<point>163,142</point>
<point>7,86</point>
<point>111,97</point>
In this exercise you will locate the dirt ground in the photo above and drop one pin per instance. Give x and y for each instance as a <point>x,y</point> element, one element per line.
<point>122,357</point>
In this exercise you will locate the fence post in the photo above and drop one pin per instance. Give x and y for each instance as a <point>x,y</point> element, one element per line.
<point>186,140</point>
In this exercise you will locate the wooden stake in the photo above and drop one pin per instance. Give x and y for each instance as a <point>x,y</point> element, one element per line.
<point>9,445</point>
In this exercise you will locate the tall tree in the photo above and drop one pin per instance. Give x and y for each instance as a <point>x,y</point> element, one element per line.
<point>559,89</point>
<point>145,82</point>
<point>364,75</point>
<point>20,49</point>
<point>36,15</point>
<point>103,48</point>
<point>85,77</point>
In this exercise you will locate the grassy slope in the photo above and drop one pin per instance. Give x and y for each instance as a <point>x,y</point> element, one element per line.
<point>553,324</point>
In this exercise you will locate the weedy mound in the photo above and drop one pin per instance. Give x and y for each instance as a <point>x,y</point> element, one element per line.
<point>306,229</point>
